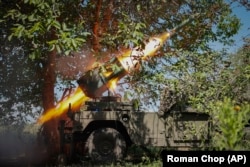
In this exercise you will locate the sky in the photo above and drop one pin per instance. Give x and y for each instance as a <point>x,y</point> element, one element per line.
<point>244,31</point>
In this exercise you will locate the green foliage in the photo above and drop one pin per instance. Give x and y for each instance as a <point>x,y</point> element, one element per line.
<point>190,65</point>
<point>39,22</point>
<point>229,121</point>
<point>202,77</point>
<point>133,33</point>
<point>20,85</point>
<point>228,25</point>
<point>129,34</point>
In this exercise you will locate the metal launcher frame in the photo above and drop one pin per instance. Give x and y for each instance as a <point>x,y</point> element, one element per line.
<point>96,81</point>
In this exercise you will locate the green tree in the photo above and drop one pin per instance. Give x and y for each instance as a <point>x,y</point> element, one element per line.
<point>19,79</point>
<point>46,30</point>
<point>19,84</point>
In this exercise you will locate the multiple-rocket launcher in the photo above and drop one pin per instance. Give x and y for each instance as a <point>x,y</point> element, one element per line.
<point>97,80</point>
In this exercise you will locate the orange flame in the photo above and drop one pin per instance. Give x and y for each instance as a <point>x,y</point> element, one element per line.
<point>76,99</point>
<point>107,73</point>
<point>113,84</point>
<point>131,58</point>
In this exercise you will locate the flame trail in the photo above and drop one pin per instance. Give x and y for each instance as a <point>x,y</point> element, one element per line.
<point>76,99</point>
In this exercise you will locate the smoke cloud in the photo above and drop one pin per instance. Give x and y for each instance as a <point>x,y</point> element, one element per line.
<point>19,146</point>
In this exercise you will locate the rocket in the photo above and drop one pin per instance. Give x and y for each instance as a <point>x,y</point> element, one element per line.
<point>97,80</point>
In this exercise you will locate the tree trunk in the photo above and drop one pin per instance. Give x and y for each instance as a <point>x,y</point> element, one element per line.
<point>96,26</point>
<point>50,128</point>
<point>107,16</point>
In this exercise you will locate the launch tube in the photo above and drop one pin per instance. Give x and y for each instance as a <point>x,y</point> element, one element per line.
<point>97,80</point>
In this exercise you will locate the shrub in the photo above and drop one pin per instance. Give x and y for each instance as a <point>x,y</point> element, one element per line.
<point>230,120</point>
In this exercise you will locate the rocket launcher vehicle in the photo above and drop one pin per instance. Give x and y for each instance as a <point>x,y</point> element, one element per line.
<point>99,79</point>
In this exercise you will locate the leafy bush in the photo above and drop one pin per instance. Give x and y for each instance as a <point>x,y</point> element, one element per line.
<point>229,120</point>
